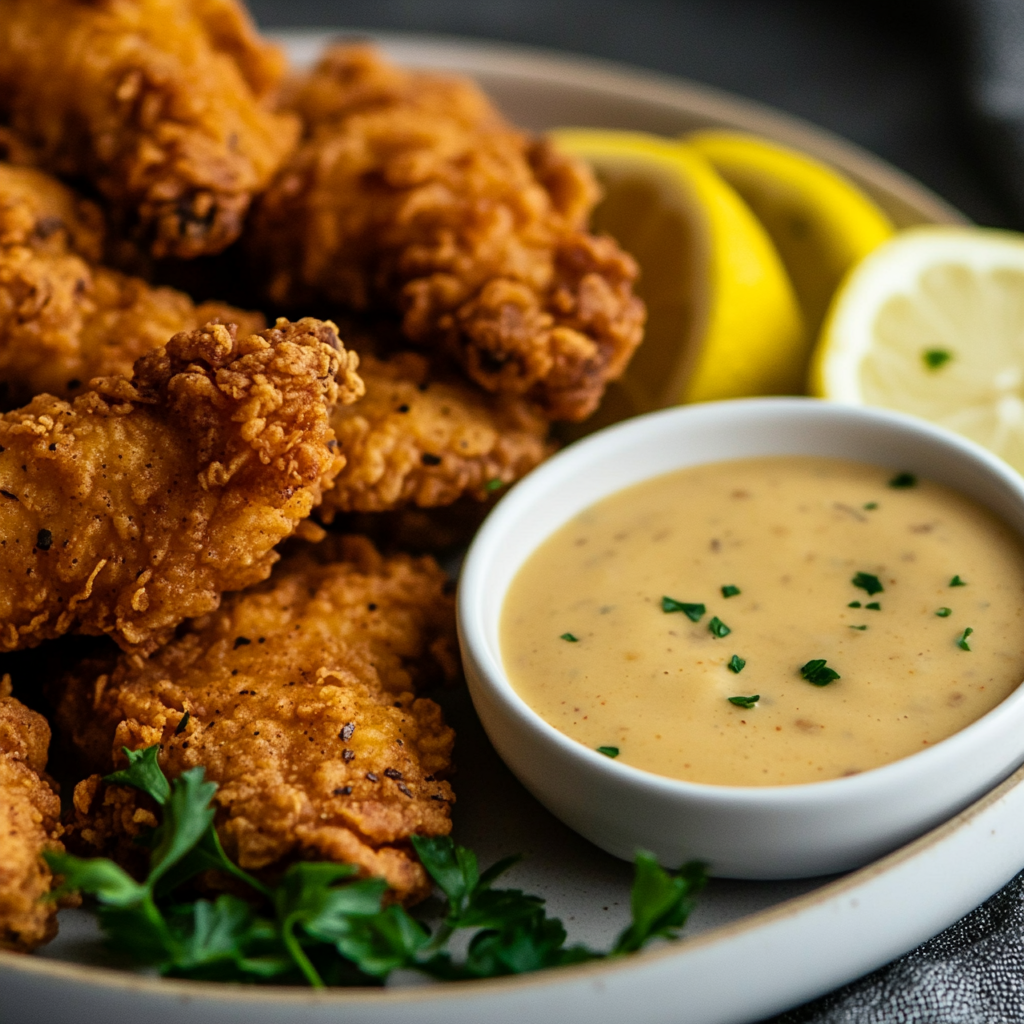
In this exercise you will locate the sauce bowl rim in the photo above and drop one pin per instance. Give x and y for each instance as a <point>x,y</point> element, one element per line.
<point>603,445</point>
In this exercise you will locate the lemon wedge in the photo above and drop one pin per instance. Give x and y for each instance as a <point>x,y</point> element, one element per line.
<point>932,323</point>
<point>723,321</point>
<point>820,222</point>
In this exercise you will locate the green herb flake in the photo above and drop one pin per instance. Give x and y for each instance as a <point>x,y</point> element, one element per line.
<point>854,604</point>
<point>736,664</point>
<point>862,628</point>
<point>902,480</point>
<point>744,702</point>
<point>183,724</point>
<point>730,591</point>
<point>871,506</point>
<point>957,582</point>
<point>493,485</point>
<point>692,611</point>
<point>817,673</point>
<point>718,628</point>
<point>962,642</point>
<point>936,357</point>
<point>568,636</point>
<point>944,613</point>
<point>865,581</point>
<point>874,606</point>
<point>608,751</point>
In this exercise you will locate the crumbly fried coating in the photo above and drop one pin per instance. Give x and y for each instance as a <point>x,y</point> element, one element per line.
<point>29,824</point>
<point>63,318</point>
<point>423,439</point>
<point>138,504</point>
<point>301,702</point>
<point>164,105</point>
<point>409,189</point>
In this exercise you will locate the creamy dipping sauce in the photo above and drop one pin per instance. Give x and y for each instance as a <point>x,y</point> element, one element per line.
<point>795,560</point>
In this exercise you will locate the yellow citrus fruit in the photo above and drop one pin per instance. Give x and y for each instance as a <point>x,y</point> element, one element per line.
<point>820,222</point>
<point>932,323</point>
<point>723,321</point>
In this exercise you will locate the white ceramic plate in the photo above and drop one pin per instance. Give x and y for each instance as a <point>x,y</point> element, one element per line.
<point>752,948</point>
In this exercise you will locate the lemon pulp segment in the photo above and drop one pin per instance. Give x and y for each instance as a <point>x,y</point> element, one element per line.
<point>820,222</point>
<point>723,321</point>
<point>932,323</point>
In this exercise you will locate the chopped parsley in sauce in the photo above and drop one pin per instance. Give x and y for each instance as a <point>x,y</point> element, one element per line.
<point>692,611</point>
<point>568,636</point>
<point>944,613</point>
<point>935,357</point>
<point>817,672</point>
<point>957,582</point>
<point>730,591</point>
<point>865,581</point>
<point>962,642</point>
<point>901,480</point>
<point>736,664</point>
<point>718,627</point>
<point>608,751</point>
<point>744,702</point>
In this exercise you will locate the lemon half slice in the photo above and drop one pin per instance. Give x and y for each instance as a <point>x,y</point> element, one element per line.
<point>820,222</point>
<point>723,321</point>
<point>932,323</point>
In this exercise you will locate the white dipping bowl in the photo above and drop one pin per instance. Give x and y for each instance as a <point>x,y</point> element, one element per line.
<point>740,831</point>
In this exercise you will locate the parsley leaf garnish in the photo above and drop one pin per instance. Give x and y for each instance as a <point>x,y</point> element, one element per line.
<point>957,582</point>
<point>729,590</point>
<point>608,751</point>
<point>936,357</point>
<point>859,627</point>
<point>568,636</point>
<point>901,480</point>
<point>816,672</point>
<point>871,506</point>
<point>944,613</point>
<point>736,664</point>
<point>718,627</point>
<point>865,581</point>
<point>323,925</point>
<point>873,606</point>
<point>854,604</point>
<point>962,642</point>
<point>692,611</point>
<point>493,485</point>
<point>744,702</point>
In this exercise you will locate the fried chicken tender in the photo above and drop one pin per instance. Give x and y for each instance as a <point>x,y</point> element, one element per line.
<point>29,824</point>
<point>164,105</point>
<point>426,440</point>
<point>63,318</point>
<point>409,189</point>
<point>301,704</point>
<point>139,503</point>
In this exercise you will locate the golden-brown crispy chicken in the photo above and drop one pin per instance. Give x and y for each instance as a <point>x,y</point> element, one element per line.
<point>29,824</point>
<point>138,504</point>
<point>164,105</point>
<point>63,318</point>
<point>410,190</point>
<point>301,703</point>
<point>425,439</point>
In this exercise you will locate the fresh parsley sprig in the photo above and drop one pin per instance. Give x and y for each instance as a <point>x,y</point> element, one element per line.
<point>321,924</point>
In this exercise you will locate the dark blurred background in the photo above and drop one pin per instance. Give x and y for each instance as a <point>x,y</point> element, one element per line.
<point>904,78</point>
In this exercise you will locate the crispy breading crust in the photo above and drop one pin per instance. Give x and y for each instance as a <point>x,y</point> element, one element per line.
<point>138,504</point>
<point>301,705</point>
<point>165,105</point>
<point>409,189</point>
<point>29,824</point>
<point>424,439</point>
<point>64,319</point>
